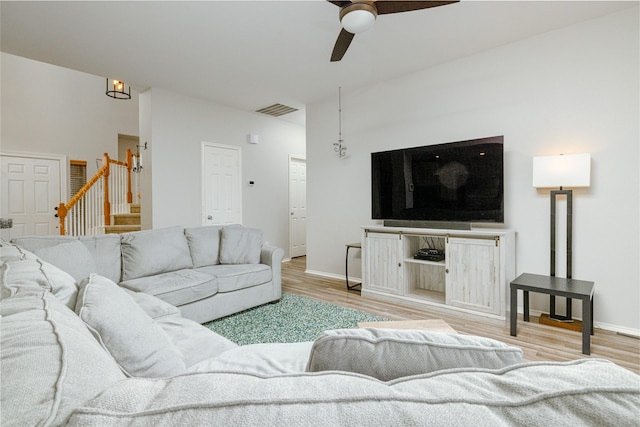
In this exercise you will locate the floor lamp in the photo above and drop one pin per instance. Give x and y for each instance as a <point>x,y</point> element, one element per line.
<point>566,170</point>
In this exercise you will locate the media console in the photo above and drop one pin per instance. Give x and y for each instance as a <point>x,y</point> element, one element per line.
<point>473,277</point>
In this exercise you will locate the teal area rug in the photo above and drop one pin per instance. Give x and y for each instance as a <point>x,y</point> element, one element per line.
<point>293,319</point>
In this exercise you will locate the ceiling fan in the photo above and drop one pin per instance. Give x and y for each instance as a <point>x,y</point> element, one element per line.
<point>357,16</point>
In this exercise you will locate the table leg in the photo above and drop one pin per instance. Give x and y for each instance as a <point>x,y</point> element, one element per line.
<point>513,316</point>
<point>346,268</point>
<point>587,317</point>
<point>591,303</point>
<point>525,303</point>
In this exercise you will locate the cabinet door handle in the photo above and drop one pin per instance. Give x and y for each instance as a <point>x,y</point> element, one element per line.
<point>399,264</point>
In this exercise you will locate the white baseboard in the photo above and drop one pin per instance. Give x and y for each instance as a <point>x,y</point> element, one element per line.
<point>331,275</point>
<point>635,333</point>
<point>622,330</point>
<point>606,326</point>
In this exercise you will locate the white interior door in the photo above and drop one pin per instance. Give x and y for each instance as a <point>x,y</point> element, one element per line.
<point>31,190</point>
<point>297,207</point>
<point>221,179</point>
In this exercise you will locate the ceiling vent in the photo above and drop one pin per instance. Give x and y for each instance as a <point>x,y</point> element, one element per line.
<point>276,110</point>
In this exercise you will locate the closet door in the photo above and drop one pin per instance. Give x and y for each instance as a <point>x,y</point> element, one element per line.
<point>30,189</point>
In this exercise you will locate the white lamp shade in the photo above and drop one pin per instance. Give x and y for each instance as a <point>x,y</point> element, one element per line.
<point>566,170</point>
<point>358,21</point>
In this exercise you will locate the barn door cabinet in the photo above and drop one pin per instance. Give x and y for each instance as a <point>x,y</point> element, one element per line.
<point>473,277</point>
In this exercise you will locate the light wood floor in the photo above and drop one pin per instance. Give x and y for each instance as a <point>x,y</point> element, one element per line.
<point>538,342</point>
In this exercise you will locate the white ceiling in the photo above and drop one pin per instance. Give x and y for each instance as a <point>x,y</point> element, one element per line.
<point>251,54</point>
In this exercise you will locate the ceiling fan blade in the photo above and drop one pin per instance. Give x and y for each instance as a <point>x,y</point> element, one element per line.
<point>340,3</point>
<point>341,46</point>
<point>385,6</point>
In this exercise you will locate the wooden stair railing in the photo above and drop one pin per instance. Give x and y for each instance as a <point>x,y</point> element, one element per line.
<point>90,209</point>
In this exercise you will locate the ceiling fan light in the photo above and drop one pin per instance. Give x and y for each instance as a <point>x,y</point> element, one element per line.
<point>358,21</point>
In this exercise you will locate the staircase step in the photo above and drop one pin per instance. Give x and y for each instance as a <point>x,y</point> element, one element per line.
<point>135,208</point>
<point>126,219</point>
<point>116,229</point>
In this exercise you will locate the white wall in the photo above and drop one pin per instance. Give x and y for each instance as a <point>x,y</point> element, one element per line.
<point>53,110</point>
<point>569,91</point>
<point>178,126</point>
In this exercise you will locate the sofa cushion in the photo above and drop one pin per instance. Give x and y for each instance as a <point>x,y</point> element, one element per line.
<point>387,354</point>
<point>261,359</point>
<point>136,342</point>
<point>585,392</point>
<point>105,249</point>
<point>33,272</point>
<point>149,252</point>
<point>240,245</point>
<point>50,362</point>
<point>195,342</point>
<point>153,306</point>
<point>204,244</point>
<point>238,276</point>
<point>176,287</point>
<point>72,257</point>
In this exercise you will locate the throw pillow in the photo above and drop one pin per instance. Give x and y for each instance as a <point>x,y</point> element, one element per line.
<point>136,342</point>
<point>153,306</point>
<point>72,257</point>
<point>11,252</point>
<point>31,272</point>
<point>240,245</point>
<point>387,354</point>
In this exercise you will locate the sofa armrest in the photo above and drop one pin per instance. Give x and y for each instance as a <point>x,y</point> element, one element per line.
<point>272,256</point>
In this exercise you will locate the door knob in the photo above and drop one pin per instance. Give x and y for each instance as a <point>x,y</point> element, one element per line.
<point>209,217</point>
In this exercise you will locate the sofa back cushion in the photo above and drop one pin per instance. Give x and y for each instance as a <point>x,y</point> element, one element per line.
<point>149,252</point>
<point>72,257</point>
<point>105,249</point>
<point>32,243</point>
<point>50,362</point>
<point>204,245</point>
<point>240,245</point>
<point>134,340</point>
<point>387,354</point>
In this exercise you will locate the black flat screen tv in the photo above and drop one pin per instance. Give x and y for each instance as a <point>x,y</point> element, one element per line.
<point>454,182</point>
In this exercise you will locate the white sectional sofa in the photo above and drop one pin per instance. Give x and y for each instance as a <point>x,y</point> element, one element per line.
<point>208,272</point>
<point>89,352</point>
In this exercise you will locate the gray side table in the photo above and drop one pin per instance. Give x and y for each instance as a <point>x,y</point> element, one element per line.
<point>555,286</point>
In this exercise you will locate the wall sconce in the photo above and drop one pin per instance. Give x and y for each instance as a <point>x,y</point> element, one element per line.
<point>570,170</point>
<point>117,91</point>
